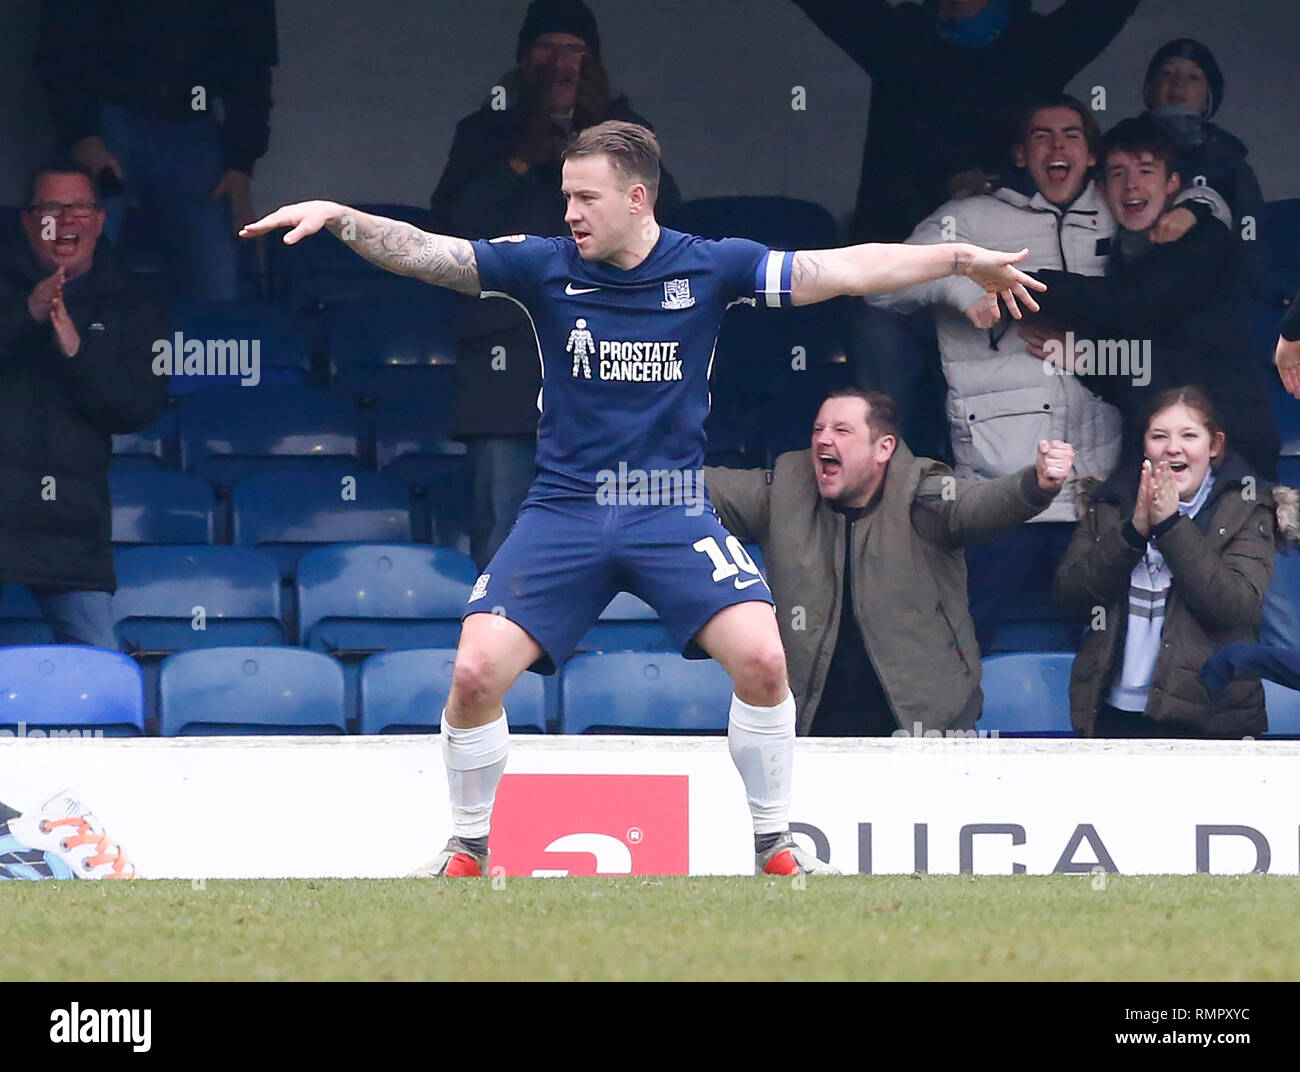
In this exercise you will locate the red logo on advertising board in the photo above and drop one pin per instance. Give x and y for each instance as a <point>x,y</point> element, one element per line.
<point>591,824</point>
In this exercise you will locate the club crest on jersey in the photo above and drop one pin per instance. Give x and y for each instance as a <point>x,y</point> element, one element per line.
<point>677,294</point>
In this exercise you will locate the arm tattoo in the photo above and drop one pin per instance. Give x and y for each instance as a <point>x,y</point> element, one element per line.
<point>405,249</point>
<point>806,270</point>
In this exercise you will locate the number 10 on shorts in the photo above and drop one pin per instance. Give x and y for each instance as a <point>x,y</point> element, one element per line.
<point>722,569</point>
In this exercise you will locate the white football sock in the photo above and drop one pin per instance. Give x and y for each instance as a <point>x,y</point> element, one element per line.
<point>475,759</point>
<point>761,742</point>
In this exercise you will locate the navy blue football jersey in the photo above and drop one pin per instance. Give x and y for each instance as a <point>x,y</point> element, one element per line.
<point>626,355</point>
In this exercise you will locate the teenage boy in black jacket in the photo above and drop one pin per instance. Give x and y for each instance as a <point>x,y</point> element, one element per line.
<point>1172,308</point>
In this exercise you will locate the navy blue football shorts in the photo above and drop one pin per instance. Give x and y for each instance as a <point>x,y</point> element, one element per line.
<point>568,555</point>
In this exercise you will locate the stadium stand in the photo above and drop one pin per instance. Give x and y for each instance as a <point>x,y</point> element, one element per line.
<point>227,433</point>
<point>159,589</point>
<point>645,692</point>
<point>410,445</point>
<point>364,598</point>
<point>153,446</point>
<point>395,332</point>
<point>405,691</point>
<point>173,599</point>
<point>20,618</point>
<point>246,690</point>
<point>1027,694</point>
<point>65,687</point>
<point>1035,623</point>
<point>275,336</point>
<point>287,519</point>
<point>627,624</point>
<point>153,505</point>
<point>778,222</point>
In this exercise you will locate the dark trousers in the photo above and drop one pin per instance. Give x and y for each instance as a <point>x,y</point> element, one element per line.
<point>504,468</point>
<point>1015,570</point>
<point>77,617</point>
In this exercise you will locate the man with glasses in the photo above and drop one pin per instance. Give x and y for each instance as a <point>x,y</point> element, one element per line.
<point>503,177</point>
<point>76,345</point>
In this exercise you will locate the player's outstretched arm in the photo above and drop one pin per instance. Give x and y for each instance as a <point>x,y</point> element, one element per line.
<point>396,246</point>
<point>820,274</point>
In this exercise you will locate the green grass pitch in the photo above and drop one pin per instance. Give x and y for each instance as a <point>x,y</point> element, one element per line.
<point>856,927</point>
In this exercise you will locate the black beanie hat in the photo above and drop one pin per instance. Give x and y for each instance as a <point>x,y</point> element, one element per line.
<point>1186,49</point>
<point>558,16</point>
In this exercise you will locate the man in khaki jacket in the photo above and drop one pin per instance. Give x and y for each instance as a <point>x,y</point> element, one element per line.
<point>857,520</point>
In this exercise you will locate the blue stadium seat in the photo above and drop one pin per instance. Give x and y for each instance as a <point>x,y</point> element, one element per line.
<point>283,335</point>
<point>1288,471</point>
<point>159,587</point>
<point>627,624</point>
<point>220,429</point>
<point>395,332</point>
<point>277,338</point>
<point>287,519</point>
<point>160,506</point>
<point>246,690</point>
<point>413,424</point>
<point>374,597</point>
<point>405,691</point>
<point>1034,623</point>
<point>778,222</point>
<point>1027,694</point>
<point>155,445</point>
<point>268,376</point>
<point>433,384</point>
<point>1283,706</point>
<point>20,618</point>
<point>410,444</point>
<point>68,686</point>
<point>643,692</point>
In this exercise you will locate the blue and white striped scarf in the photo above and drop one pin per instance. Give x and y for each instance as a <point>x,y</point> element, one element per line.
<point>1147,594</point>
